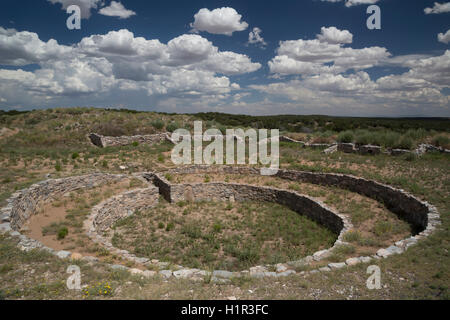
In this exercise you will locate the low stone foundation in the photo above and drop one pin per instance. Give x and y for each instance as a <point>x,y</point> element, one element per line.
<point>103,141</point>
<point>422,216</point>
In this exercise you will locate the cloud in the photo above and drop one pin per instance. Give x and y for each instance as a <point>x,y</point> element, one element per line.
<point>335,36</point>
<point>116,9</point>
<point>419,89</point>
<point>85,5</point>
<point>444,38</point>
<point>22,48</point>
<point>218,21</point>
<point>102,66</point>
<point>254,37</point>
<point>326,54</point>
<point>438,8</point>
<point>351,3</point>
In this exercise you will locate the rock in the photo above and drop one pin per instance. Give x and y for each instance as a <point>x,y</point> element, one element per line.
<point>258,269</point>
<point>63,254</point>
<point>118,267</point>
<point>231,298</point>
<point>5,227</point>
<point>332,149</point>
<point>365,259</point>
<point>337,265</point>
<point>281,268</point>
<point>321,255</point>
<point>15,234</point>
<point>352,261</point>
<point>219,280</point>
<point>394,250</point>
<point>141,260</point>
<point>383,253</point>
<point>301,262</point>
<point>166,273</point>
<point>135,271</point>
<point>76,256</point>
<point>149,274</point>
<point>286,273</point>
<point>223,274</point>
<point>90,259</point>
<point>325,269</point>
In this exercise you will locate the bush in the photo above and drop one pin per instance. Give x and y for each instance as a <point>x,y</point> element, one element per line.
<point>404,143</point>
<point>62,233</point>
<point>441,141</point>
<point>345,137</point>
<point>171,127</point>
<point>58,167</point>
<point>135,144</point>
<point>170,226</point>
<point>105,164</point>
<point>75,155</point>
<point>158,124</point>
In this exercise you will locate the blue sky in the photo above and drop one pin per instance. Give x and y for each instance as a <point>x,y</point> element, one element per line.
<point>305,57</point>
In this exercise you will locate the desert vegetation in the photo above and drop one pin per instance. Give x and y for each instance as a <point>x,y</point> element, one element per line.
<point>53,143</point>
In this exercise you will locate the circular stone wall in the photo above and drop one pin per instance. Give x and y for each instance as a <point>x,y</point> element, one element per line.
<point>422,216</point>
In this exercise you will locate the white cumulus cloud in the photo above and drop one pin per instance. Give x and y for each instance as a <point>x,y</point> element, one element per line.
<point>85,5</point>
<point>116,9</point>
<point>444,38</point>
<point>254,37</point>
<point>438,8</point>
<point>334,35</point>
<point>218,21</point>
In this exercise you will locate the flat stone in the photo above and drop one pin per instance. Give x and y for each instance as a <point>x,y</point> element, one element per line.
<point>286,273</point>
<point>321,255</point>
<point>281,268</point>
<point>258,269</point>
<point>76,256</point>
<point>166,273</point>
<point>183,273</point>
<point>220,280</point>
<point>339,265</point>
<point>394,250</point>
<point>5,227</point>
<point>90,259</point>
<point>365,259</point>
<point>223,274</point>
<point>352,261</point>
<point>15,234</point>
<point>118,267</point>
<point>141,260</point>
<point>325,269</point>
<point>149,274</point>
<point>383,253</point>
<point>63,254</point>
<point>135,271</point>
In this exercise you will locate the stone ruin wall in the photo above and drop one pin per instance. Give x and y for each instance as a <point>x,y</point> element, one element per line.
<point>403,204</point>
<point>25,203</point>
<point>104,141</point>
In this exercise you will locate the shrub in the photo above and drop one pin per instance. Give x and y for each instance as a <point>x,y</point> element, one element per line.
<point>58,167</point>
<point>161,225</point>
<point>62,233</point>
<point>404,143</point>
<point>171,127</point>
<point>441,141</point>
<point>170,226</point>
<point>105,164</point>
<point>135,144</point>
<point>158,124</point>
<point>75,155</point>
<point>345,137</point>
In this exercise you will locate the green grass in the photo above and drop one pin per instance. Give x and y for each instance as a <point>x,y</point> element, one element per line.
<point>223,236</point>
